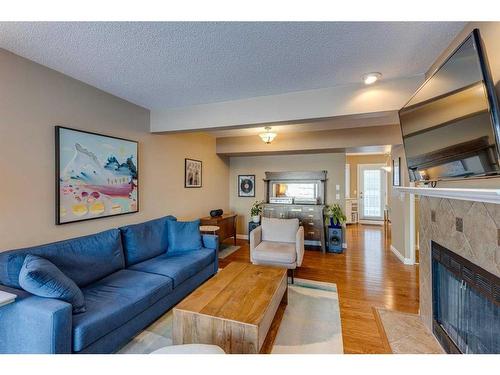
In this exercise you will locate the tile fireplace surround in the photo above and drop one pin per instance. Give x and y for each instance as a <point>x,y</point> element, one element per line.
<point>478,241</point>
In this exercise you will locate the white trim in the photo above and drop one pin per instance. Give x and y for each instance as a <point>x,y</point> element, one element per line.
<point>411,239</point>
<point>478,195</point>
<point>366,153</point>
<point>242,236</point>
<point>371,222</point>
<point>347,188</point>
<point>404,260</point>
<point>344,245</point>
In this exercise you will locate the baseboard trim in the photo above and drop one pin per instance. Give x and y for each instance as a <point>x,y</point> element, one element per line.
<point>242,236</point>
<point>403,260</point>
<point>371,222</point>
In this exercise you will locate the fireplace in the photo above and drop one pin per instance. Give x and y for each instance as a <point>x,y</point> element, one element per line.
<point>466,304</point>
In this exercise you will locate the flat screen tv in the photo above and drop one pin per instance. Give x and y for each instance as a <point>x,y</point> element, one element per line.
<point>451,125</point>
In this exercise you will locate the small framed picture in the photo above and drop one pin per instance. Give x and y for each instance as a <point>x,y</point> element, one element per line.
<point>246,185</point>
<point>193,173</point>
<point>396,172</point>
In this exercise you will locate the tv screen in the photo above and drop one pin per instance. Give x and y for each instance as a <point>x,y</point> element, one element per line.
<point>451,126</point>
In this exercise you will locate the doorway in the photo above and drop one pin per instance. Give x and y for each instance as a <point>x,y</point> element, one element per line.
<point>372,185</point>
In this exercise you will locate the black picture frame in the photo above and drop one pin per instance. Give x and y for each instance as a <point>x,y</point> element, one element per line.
<point>191,163</point>
<point>251,179</point>
<point>396,172</point>
<point>58,218</point>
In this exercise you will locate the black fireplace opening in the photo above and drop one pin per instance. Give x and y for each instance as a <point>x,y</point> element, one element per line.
<point>466,304</point>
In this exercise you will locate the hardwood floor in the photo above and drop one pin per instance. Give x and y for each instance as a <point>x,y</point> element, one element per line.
<point>367,275</point>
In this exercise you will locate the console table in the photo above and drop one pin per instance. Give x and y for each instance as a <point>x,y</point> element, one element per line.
<point>226,223</point>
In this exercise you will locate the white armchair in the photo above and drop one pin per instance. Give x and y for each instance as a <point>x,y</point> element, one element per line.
<point>278,242</point>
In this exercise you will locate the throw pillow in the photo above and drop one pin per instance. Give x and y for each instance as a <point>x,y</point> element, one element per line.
<point>42,278</point>
<point>184,235</point>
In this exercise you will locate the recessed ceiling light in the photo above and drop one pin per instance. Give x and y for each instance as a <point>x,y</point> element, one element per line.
<point>370,78</point>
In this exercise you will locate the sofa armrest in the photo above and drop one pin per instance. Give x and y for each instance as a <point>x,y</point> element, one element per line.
<point>255,239</point>
<point>34,324</point>
<point>210,241</point>
<point>299,245</point>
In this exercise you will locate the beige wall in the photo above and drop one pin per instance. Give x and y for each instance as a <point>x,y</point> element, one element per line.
<point>354,160</point>
<point>333,163</point>
<point>399,205</point>
<point>481,222</point>
<point>490,34</point>
<point>33,99</point>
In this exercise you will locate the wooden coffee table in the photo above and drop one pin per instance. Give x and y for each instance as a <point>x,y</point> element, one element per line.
<point>233,310</point>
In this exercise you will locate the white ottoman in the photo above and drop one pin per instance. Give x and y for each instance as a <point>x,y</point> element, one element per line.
<point>190,349</point>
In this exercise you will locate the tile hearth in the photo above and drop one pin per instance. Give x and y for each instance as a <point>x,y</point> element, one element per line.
<point>407,333</point>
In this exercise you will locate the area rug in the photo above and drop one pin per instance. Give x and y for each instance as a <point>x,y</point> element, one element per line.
<point>310,324</point>
<point>226,250</point>
<point>407,334</point>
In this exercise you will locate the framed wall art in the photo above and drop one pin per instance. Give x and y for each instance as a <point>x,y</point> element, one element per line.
<point>193,170</point>
<point>246,185</point>
<point>96,176</point>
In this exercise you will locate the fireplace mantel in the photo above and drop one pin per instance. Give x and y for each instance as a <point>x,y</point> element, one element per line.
<point>478,195</point>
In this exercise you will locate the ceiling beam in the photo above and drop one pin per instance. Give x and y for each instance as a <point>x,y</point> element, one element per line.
<point>339,140</point>
<point>343,100</point>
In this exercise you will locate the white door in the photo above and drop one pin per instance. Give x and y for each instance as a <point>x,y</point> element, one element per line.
<point>372,181</point>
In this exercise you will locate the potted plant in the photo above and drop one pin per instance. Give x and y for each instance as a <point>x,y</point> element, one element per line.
<point>255,211</point>
<point>334,216</point>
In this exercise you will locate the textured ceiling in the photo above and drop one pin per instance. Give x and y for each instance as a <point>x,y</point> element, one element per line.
<point>164,65</point>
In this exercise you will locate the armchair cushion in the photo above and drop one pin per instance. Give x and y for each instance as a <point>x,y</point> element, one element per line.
<point>42,278</point>
<point>275,252</point>
<point>279,230</point>
<point>184,235</point>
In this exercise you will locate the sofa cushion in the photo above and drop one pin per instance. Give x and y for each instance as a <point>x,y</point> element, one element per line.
<point>184,235</point>
<point>84,259</point>
<point>279,230</point>
<point>145,240</point>
<point>41,278</point>
<point>275,252</point>
<point>178,265</point>
<point>113,301</point>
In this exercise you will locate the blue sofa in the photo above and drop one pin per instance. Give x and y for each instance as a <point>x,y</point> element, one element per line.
<point>129,277</point>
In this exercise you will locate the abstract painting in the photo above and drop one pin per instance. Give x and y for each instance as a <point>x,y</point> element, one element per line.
<point>192,173</point>
<point>96,176</point>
